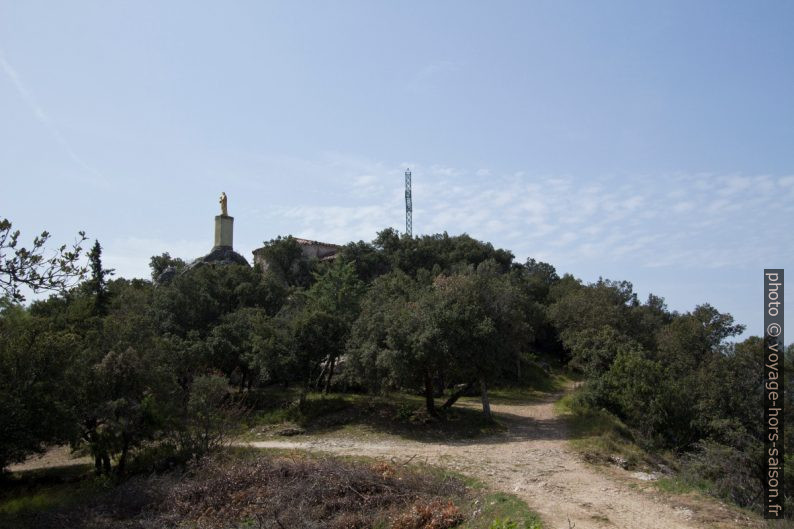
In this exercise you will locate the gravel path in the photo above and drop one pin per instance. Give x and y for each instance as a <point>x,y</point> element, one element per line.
<point>533,461</point>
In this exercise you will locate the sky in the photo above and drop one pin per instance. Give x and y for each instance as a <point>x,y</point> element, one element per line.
<point>643,141</point>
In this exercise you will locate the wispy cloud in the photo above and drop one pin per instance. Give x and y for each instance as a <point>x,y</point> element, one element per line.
<point>671,221</point>
<point>44,119</point>
<point>678,220</point>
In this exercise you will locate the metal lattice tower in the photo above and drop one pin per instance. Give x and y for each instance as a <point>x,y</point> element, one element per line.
<point>409,209</point>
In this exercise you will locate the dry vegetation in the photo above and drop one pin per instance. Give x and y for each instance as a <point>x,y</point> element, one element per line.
<point>267,491</point>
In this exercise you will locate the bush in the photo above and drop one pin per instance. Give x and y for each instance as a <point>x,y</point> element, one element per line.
<point>245,489</point>
<point>157,457</point>
<point>725,472</point>
<point>210,417</point>
<point>306,493</point>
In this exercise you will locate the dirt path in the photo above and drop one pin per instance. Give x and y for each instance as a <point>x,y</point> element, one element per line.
<point>534,462</point>
<point>56,456</point>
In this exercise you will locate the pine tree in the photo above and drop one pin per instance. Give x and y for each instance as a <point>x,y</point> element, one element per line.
<point>97,284</point>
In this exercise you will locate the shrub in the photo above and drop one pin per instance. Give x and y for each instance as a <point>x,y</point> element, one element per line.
<point>725,472</point>
<point>429,515</point>
<point>247,490</point>
<point>210,417</point>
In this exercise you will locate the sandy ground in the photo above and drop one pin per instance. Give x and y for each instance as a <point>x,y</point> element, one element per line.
<point>58,456</point>
<point>533,461</point>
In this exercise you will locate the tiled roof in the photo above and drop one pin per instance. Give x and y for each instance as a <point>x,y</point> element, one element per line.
<point>307,242</point>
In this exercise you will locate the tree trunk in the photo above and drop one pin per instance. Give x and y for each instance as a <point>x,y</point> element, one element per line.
<point>122,466</point>
<point>302,398</point>
<point>330,374</point>
<point>430,403</point>
<point>106,463</point>
<point>319,381</point>
<point>455,396</point>
<point>518,368</point>
<point>101,457</point>
<point>486,406</point>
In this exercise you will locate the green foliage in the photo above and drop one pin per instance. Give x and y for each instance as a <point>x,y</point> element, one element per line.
<point>98,280</point>
<point>481,324</point>
<point>337,290</point>
<point>160,263</point>
<point>602,304</point>
<point>317,336</point>
<point>124,409</point>
<point>210,416</point>
<point>29,267</point>
<point>32,496</point>
<point>598,434</point>
<point>236,344</point>
<point>724,471</point>
<point>196,301</point>
<point>636,388</point>
<point>677,485</point>
<point>336,293</point>
<point>510,524</point>
<point>395,340</point>
<point>368,261</point>
<point>285,262</point>
<point>441,252</point>
<point>673,379</point>
<point>119,365</point>
<point>593,351</point>
<point>458,328</point>
<point>502,511</point>
<point>34,402</point>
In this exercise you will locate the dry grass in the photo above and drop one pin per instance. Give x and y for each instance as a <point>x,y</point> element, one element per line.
<point>269,492</point>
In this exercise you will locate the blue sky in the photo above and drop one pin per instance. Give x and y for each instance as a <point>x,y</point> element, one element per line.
<point>652,142</point>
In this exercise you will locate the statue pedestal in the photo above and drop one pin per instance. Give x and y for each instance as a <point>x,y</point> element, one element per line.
<point>224,228</point>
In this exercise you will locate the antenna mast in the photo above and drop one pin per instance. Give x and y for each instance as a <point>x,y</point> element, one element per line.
<point>409,209</point>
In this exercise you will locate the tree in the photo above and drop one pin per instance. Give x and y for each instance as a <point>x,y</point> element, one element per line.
<point>98,280</point>
<point>730,396</point>
<point>31,268</point>
<point>412,254</point>
<point>395,342</point>
<point>646,398</point>
<point>34,400</point>
<point>160,263</point>
<point>594,350</point>
<point>125,391</point>
<point>316,335</point>
<point>244,345</point>
<point>198,299</point>
<point>369,262</point>
<point>543,272</point>
<point>209,418</point>
<point>284,260</point>
<point>414,347</point>
<point>691,339</point>
<point>482,324</point>
<point>577,309</point>
<point>336,291</point>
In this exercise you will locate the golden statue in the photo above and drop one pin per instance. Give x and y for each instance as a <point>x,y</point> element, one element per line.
<point>222,200</point>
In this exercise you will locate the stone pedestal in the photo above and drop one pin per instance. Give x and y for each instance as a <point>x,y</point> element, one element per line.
<point>224,228</point>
